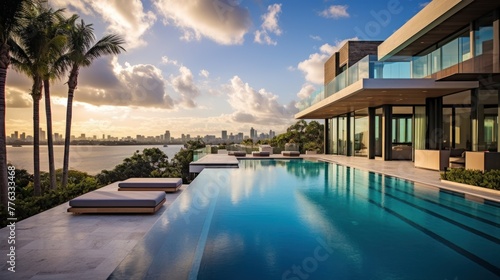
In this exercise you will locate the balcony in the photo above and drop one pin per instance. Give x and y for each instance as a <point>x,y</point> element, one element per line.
<point>450,62</point>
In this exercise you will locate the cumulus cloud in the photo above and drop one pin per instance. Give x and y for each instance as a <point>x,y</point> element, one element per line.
<point>313,67</point>
<point>335,11</point>
<point>269,26</point>
<point>140,85</point>
<point>185,86</point>
<point>306,91</point>
<point>223,21</point>
<point>257,106</point>
<point>166,60</point>
<point>126,18</point>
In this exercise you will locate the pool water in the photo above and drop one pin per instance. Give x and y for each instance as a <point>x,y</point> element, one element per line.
<point>294,219</point>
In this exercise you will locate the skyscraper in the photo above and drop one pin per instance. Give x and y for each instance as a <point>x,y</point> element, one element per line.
<point>253,132</point>
<point>224,135</point>
<point>167,136</point>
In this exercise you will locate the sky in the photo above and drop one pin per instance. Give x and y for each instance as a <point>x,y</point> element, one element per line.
<point>202,66</point>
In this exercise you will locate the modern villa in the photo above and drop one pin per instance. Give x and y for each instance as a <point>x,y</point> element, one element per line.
<point>430,89</point>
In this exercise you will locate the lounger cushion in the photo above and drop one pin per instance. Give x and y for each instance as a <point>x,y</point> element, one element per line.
<point>290,153</point>
<point>118,199</point>
<point>151,183</point>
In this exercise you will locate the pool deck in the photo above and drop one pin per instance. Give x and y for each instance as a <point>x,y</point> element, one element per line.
<point>59,245</point>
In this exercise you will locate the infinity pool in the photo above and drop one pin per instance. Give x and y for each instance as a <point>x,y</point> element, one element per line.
<point>278,219</point>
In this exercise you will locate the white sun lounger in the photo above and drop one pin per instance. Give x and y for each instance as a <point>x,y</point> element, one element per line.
<point>150,184</point>
<point>117,202</point>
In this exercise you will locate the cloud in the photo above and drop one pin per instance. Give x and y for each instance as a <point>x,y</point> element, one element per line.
<point>422,5</point>
<point>223,21</point>
<point>204,73</point>
<point>315,37</point>
<point>17,99</point>
<point>166,60</point>
<point>335,11</point>
<point>269,26</point>
<point>126,18</point>
<point>185,86</point>
<point>313,67</point>
<point>107,82</point>
<point>257,107</point>
<point>306,91</point>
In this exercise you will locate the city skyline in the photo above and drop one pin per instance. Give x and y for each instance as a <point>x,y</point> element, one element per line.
<point>203,66</point>
<point>160,138</point>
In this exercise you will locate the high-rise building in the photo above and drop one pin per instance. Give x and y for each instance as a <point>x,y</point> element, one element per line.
<point>167,136</point>
<point>42,135</point>
<point>224,135</point>
<point>23,136</point>
<point>253,132</point>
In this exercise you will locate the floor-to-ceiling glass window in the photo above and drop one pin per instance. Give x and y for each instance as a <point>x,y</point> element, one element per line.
<point>402,132</point>
<point>378,132</point>
<point>483,35</point>
<point>447,128</point>
<point>334,136</point>
<point>487,117</point>
<point>342,135</point>
<point>361,133</point>
<point>420,128</point>
<point>457,121</point>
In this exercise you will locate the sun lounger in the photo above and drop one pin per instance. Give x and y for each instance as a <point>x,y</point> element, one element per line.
<point>260,154</point>
<point>238,153</point>
<point>117,202</point>
<point>150,184</point>
<point>290,153</point>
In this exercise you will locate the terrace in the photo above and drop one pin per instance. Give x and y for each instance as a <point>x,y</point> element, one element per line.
<point>58,245</point>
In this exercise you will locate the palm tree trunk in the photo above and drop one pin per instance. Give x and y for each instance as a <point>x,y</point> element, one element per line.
<point>50,142</point>
<point>4,63</point>
<point>36,146</point>
<point>67,137</point>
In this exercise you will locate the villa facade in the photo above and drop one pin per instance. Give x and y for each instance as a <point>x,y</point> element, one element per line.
<point>433,85</point>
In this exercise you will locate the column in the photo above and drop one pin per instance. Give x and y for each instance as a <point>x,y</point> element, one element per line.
<point>371,133</point>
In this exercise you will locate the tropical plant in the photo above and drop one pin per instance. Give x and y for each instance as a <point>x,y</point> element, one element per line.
<point>81,53</point>
<point>11,14</point>
<point>32,54</point>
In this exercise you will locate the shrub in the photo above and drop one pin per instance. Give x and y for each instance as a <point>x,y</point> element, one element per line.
<point>488,179</point>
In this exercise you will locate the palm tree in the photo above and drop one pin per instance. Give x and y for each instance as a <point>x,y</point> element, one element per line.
<point>32,54</point>
<point>81,53</point>
<point>54,70</point>
<point>10,15</point>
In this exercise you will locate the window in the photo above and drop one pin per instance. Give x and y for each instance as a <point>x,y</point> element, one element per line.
<point>483,35</point>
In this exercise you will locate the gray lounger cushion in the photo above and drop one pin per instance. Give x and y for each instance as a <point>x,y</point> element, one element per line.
<point>290,153</point>
<point>151,183</point>
<point>118,199</point>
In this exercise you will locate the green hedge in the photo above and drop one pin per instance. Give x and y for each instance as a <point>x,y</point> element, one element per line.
<point>488,179</point>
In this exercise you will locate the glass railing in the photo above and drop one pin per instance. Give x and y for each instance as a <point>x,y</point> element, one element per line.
<point>398,67</point>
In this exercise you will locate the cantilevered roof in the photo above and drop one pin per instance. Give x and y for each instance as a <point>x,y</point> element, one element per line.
<point>438,20</point>
<point>376,92</point>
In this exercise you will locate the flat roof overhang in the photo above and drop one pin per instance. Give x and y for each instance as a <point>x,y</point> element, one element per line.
<point>377,92</point>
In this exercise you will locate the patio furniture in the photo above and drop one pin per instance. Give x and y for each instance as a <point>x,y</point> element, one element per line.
<point>237,153</point>
<point>432,159</point>
<point>457,158</point>
<point>150,184</point>
<point>483,161</point>
<point>117,202</point>
<point>266,148</point>
<point>290,153</point>
<point>260,154</point>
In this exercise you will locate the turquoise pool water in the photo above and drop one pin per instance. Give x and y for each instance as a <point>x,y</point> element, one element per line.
<point>297,219</point>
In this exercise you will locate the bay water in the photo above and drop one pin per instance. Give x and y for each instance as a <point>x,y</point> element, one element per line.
<point>91,159</point>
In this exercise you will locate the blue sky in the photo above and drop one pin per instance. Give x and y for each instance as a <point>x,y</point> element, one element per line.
<point>202,66</point>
